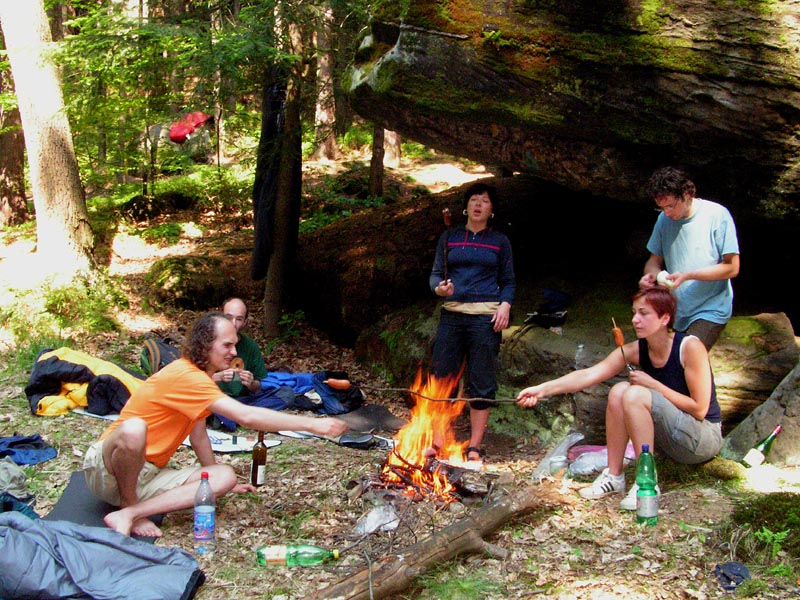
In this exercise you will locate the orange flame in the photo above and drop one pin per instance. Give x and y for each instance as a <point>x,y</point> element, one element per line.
<point>430,425</point>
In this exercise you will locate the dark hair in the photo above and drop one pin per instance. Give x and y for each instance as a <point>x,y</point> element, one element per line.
<point>198,343</point>
<point>479,188</point>
<point>670,180</point>
<point>661,300</point>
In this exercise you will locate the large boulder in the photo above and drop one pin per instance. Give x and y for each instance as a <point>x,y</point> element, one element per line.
<point>782,408</point>
<point>594,95</point>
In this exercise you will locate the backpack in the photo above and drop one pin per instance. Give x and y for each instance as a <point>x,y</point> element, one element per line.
<point>158,353</point>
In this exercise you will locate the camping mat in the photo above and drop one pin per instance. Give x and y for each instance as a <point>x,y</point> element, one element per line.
<point>78,505</point>
<point>371,417</point>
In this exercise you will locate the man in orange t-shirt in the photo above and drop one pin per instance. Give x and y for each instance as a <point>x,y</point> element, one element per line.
<point>126,467</point>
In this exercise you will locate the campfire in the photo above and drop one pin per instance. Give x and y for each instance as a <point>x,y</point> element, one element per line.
<point>427,461</point>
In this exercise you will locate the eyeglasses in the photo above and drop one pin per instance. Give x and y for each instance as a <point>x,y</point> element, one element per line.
<point>663,207</point>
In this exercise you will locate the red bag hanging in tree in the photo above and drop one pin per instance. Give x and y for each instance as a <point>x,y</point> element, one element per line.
<point>180,131</point>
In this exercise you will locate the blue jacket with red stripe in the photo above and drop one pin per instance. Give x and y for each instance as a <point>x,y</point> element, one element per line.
<point>480,264</point>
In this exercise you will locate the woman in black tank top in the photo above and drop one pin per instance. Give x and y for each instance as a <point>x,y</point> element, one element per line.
<point>669,402</point>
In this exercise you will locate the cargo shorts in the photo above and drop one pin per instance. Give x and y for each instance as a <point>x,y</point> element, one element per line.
<point>153,480</point>
<point>682,437</point>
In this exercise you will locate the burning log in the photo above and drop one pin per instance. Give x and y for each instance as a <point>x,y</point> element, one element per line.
<point>393,574</point>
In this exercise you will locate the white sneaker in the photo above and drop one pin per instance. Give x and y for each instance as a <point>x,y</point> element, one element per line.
<point>629,501</point>
<point>605,484</point>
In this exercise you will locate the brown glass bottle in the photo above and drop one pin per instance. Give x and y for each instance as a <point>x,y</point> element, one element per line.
<point>257,470</point>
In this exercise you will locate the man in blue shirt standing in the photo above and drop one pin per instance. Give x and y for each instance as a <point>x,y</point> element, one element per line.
<point>694,241</point>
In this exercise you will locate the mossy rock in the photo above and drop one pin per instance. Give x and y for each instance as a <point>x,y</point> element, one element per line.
<point>190,282</point>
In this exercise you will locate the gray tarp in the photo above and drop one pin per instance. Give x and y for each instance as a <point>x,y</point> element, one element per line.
<point>57,559</point>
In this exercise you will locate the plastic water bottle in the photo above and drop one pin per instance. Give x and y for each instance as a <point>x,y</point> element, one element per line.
<point>301,555</point>
<point>204,518</point>
<point>646,495</point>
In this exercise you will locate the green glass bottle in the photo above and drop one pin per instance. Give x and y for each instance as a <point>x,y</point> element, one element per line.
<point>758,454</point>
<point>301,555</point>
<point>646,495</point>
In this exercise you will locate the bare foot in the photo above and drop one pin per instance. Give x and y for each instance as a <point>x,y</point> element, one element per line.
<point>118,521</point>
<point>146,528</point>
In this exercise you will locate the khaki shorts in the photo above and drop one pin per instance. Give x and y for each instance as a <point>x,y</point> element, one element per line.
<point>153,480</point>
<point>682,437</point>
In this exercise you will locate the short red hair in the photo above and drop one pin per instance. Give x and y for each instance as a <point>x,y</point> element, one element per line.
<point>661,300</point>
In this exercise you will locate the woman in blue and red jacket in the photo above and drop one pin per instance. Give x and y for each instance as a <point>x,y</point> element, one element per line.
<point>474,273</point>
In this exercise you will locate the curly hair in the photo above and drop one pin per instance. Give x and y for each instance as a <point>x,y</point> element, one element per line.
<point>661,300</point>
<point>670,181</point>
<point>197,345</point>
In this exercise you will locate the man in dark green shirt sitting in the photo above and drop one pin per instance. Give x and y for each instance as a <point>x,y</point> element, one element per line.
<point>246,379</point>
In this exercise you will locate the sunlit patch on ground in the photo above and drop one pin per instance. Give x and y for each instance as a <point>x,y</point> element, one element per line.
<point>768,478</point>
<point>130,254</point>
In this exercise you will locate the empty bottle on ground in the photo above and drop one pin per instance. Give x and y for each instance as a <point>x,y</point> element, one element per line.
<point>646,495</point>
<point>204,518</point>
<point>758,454</point>
<point>295,555</point>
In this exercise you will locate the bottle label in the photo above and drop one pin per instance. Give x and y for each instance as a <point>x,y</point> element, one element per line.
<point>260,473</point>
<point>204,523</point>
<point>647,506</point>
<point>271,555</point>
<point>753,458</point>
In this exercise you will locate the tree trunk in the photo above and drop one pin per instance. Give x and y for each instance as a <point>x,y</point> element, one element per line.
<point>13,209</point>
<point>395,573</point>
<point>391,148</point>
<point>376,162</point>
<point>64,236</point>
<point>324,134</point>
<point>287,212</point>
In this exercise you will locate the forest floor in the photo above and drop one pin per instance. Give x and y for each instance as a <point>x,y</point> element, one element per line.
<point>565,547</point>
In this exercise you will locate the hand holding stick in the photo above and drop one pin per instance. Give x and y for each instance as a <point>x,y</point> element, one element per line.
<point>619,340</point>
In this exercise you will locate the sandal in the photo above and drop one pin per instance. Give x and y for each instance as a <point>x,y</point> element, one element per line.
<point>473,450</point>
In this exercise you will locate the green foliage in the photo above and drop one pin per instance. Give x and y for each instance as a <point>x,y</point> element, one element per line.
<point>87,303</point>
<point>765,530</point>
<point>51,312</point>
<point>773,541</point>
<point>20,360</point>
<point>496,40</point>
<point>416,151</point>
<point>166,234</point>
<point>125,79</point>
<point>357,137</point>
<point>338,197</point>
<point>453,584</point>
<point>289,324</point>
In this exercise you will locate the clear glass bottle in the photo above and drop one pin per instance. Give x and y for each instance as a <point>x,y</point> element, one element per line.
<point>646,495</point>
<point>204,518</point>
<point>302,555</point>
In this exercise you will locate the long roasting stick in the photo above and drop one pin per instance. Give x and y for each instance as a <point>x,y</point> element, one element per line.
<point>446,218</point>
<point>413,393</point>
